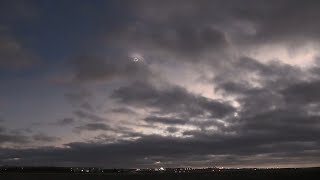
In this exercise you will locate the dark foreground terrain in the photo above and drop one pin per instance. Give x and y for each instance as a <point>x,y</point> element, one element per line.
<point>283,174</point>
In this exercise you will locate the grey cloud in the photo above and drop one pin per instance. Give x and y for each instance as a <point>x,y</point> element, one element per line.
<point>278,115</point>
<point>165,120</point>
<point>287,125</point>
<point>273,114</point>
<point>2,129</point>
<point>254,83</point>
<point>135,153</point>
<point>88,116</point>
<point>243,69</point>
<point>65,121</point>
<point>13,138</point>
<point>44,138</point>
<point>294,21</point>
<point>87,106</point>
<point>78,96</point>
<point>172,129</point>
<point>93,127</point>
<point>303,92</point>
<point>277,110</point>
<point>123,110</point>
<point>171,99</point>
<point>181,39</point>
<point>278,107</point>
<point>192,27</point>
<point>81,98</point>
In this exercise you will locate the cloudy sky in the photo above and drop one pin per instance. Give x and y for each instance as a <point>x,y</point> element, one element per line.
<point>146,83</point>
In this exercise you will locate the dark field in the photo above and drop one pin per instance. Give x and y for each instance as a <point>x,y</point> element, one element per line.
<point>283,174</point>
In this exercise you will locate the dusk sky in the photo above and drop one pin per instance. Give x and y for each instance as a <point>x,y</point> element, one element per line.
<point>160,83</point>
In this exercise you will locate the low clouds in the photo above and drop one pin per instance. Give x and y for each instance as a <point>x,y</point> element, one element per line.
<point>310,91</point>
<point>170,99</point>
<point>44,138</point>
<point>11,138</point>
<point>93,127</point>
<point>65,121</point>
<point>87,116</point>
<point>163,120</point>
<point>275,110</point>
<point>169,151</point>
<point>23,138</point>
<point>211,87</point>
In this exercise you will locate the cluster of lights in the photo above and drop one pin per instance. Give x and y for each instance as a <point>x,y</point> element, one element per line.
<point>160,169</point>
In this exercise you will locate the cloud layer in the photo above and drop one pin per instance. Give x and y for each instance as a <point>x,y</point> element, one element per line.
<point>183,83</point>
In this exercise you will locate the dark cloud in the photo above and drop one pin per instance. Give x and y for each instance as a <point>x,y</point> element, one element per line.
<point>88,116</point>
<point>287,21</point>
<point>2,129</point>
<point>123,110</point>
<point>282,21</point>
<point>78,96</point>
<point>254,84</point>
<point>172,129</point>
<point>177,151</point>
<point>81,98</point>
<point>44,138</point>
<point>165,120</point>
<point>13,138</point>
<point>267,111</point>
<point>93,127</point>
<point>277,110</point>
<point>190,29</point>
<point>65,121</point>
<point>180,39</point>
<point>87,106</point>
<point>244,70</point>
<point>172,99</point>
<point>303,92</point>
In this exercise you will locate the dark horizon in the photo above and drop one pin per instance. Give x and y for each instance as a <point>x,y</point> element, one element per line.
<point>160,83</point>
<point>82,169</point>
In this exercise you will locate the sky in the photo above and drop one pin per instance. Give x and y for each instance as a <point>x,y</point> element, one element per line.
<point>150,83</point>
